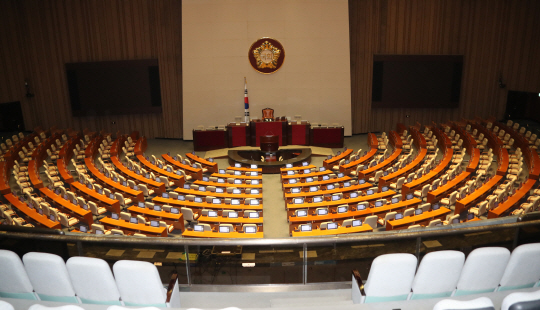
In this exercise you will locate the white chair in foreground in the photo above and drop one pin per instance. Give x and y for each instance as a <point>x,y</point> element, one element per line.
<point>140,285</point>
<point>5,305</point>
<point>42,307</point>
<point>482,303</point>
<point>93,281</point>
<point>131,308</point>
<point>432,281</point>
<point>390,279</point>
<point>49,277</point>
<point>521,301</point>
<point>12,268</point>
<point>523,269</point>
<point>482,271</point>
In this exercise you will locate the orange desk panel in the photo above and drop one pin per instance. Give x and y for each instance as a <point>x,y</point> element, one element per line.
<point>177,179</point>
<point>329,163</point>
<point>177,220</point>
<point>512,200</point>
<point>41,220</point>
<point>112,205</point>
<point>211,166</point>
<point>76,210</point>
<point>214,234</point>
<point>157,186</point>
<point>329,232</point>
<point>203,205</point>
<point>195,173</point>
<point>142,228</point>
<point>477,195</point>
<point>411,220</point>
<point>354,214</point>
<point>443,191</point>
<point>386,180</point>
<point>217,195</point>
<point>216,184</point>
<point>110,183</point>
<point>387,194</point>
<point>366,173</point>
<point>356,187</point>
<point>317,183</point>
<point>427,178</point>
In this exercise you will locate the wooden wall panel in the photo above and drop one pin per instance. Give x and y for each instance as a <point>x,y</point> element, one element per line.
<point>496,37</point>
<point>45,34</point>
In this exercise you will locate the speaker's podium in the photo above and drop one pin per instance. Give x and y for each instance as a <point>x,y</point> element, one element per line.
<point>269,145</point>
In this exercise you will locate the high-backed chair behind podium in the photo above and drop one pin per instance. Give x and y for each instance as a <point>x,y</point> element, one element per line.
<point>268,114</point>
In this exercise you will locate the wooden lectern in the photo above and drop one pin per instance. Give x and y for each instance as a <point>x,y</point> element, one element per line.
<point>269,144</point>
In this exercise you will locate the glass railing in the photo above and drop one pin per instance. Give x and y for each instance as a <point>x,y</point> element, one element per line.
<point>273,261</point>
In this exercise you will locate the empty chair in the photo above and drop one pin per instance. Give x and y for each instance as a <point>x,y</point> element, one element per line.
<point>521,301</point>
<point>390,278</point>
<point>189,215</point>
<point>482,303</point>
<point>93,281</point>
<point>4,305</point>
<point>482,271</point>
<point>451,200</point>
<point>387,217</point>
<point>397,186</point>
<point>19,285</point>
<point>480,209</point>
<point>49,277</point>
<point>437,274</point>
<point>42,307</point>
<point>371,221</point>
<point>375,179</point>
<point>139,285</point>
<point>408,212</point>
<point>523,269</point>
<point>422,193</point>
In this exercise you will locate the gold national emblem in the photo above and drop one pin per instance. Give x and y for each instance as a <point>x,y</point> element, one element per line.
<point>266,55</point>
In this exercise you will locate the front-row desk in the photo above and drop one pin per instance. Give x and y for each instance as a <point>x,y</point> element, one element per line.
<point>215,233</point>
<point>242,134</point>
<point>134,228</point>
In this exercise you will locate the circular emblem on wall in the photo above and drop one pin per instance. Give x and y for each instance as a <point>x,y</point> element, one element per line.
<point>266,55</point>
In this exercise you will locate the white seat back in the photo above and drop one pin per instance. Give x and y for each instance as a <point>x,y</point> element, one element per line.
<point>93,280</point>
<point>139,283</point>
<point>390,277</point>
<point>522,300</point>
<point>4,305</point>
<point>12,268</point>
<point>482,271</point>
<point>49,277</point>
<point>523,269</point>
<point>482,303</point>
<point>437,274</point>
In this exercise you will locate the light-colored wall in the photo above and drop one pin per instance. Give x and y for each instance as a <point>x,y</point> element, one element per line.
<point>314,80</point>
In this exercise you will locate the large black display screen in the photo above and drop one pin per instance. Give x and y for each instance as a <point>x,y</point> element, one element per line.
<point>114,87</point>
<point>416,81</point>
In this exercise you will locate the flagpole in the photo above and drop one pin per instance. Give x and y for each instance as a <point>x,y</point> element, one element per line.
<point>246,102</point>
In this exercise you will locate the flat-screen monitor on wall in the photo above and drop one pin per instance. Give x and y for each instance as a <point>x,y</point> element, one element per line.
<point>416,81</point>
<point>114,87</point>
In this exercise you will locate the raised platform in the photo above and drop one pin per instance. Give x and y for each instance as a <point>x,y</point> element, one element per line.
<point>253,157</point>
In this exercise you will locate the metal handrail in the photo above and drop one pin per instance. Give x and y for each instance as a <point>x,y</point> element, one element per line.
<point>26,233</point>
